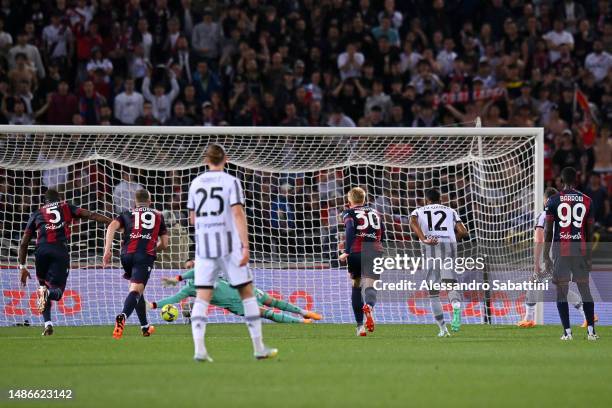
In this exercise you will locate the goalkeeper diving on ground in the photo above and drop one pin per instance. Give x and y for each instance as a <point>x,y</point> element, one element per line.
<point>228,298</point>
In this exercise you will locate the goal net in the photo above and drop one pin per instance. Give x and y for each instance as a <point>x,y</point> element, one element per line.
<point>295,181</point>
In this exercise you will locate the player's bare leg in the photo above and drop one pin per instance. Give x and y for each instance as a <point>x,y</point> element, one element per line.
<point>199,318</point>
<point>370,302</point>
<point>253,321</point>
<point>135,293</point>
<point>42,294</point>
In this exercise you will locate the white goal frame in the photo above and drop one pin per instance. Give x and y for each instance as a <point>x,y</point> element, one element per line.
<point>536,133</point>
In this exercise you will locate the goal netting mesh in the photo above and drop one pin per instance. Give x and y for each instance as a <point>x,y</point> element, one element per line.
<point>295,181</point>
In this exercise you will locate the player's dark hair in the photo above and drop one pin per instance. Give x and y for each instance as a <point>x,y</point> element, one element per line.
<point>215,154</point>
<point>433,195</point>
<point>52,195</point>
<point>549,192</point>
<point>568,176</point>
<point>142,196</point>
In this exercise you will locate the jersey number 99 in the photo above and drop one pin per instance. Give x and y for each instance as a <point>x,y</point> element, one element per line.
<point>571,214</point>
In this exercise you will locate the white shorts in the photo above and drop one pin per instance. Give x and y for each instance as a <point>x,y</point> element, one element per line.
<point>208,269</point>
<point>438,267</point>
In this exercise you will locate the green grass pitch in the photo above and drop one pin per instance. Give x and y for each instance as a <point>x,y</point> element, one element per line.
<point>321,365</point>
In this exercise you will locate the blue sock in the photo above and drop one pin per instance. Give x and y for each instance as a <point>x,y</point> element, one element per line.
<point>357,302</point>
<point>131,300</point>
<point>141,311</point>
<point>563,309</point>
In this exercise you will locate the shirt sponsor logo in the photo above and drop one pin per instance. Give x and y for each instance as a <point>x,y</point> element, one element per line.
<point>565,235</point>
<point>139,235</point>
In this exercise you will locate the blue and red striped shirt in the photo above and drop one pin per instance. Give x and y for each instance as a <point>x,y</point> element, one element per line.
<point>142,227</point>
<point>52,222</point>
<point>363,226</point>
<point>569,210</point>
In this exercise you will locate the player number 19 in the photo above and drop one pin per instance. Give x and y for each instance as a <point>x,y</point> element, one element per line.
<point>147,219</point>
<point>571,215</point>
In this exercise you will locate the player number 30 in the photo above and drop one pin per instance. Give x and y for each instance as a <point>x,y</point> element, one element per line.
<point>571,214</point>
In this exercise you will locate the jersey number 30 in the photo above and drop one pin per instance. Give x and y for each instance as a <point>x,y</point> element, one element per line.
<point>369,219</point>
<point>571,214</point>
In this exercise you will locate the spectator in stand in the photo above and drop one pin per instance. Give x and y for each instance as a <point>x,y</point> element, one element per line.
<point>98,61</point>
<point>90,104</point>
<point>6,39</point>
<point>160,100</point>
<point>350,62</point>
<point>205,82</point>
<point>599,61</point>
<point>556,38</point>
<point>180,117</point>
<point>206,38</point>
<point>147,118</point>
<point>58,41</point>
<point>128,104</point>
<point>22,47</point>
<point>63,105</point>
<point>291,116</point>
<point>600,204</point>
<point>123,193</point>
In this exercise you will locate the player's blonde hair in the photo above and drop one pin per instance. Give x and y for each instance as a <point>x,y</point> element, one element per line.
<point>215,154</point>
<point>357,195</point>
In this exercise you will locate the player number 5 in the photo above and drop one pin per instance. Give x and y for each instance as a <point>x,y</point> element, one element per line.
<point>56,215</point>
<point>571,215</point>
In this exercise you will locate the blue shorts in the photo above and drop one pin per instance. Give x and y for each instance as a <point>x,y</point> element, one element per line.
<point>137,267</point>
<point>52,264</point>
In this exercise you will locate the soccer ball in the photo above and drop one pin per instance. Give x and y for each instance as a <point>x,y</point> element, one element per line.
<point>169,313</point>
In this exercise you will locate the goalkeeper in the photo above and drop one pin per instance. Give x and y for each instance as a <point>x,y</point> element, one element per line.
<point>228,298</point>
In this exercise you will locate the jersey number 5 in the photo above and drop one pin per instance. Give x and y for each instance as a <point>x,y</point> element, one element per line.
<point>370,219</point>
<point>146,219</point>
<point>571,215</point>
<point>56,214</point>
<point>213,194</point>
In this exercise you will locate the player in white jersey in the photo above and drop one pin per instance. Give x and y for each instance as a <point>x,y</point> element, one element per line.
<point>539,275</point>
<point>216,209</point>
<point>438,227</point>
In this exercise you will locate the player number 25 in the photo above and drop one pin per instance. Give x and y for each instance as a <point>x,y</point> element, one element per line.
<point>213,195</point>
<point>571,215</point>
<point>370,219</point>
<point>147,219</point>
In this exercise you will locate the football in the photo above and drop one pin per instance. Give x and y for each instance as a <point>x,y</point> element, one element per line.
<point>169,313</point>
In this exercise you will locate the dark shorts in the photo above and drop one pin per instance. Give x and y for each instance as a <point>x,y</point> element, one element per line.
<point>52,264</point>
<point>566,268</point>
<point>137,267</point>
<point>362,265</point>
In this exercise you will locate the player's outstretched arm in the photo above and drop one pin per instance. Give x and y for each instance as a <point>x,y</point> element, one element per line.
<point>22,256</point>
<point>108,242</point>
<point>176,298</point>
<point>241,225</point>
<point>88,215</point>
<point>416,228</point>
<point>461,230</point>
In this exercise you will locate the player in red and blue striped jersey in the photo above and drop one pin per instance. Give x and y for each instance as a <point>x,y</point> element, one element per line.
<point>144,233</point>
<point>569,229</point>
<point>364,234</point>
<point>52,225</point>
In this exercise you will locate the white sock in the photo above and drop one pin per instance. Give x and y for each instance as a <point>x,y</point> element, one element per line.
<point>253,321</point>
<point>530,312</point>
<point>456,304</point>
<point>199,318</point>
<point>590,329</point>
<point>568,331</point>
<point>441,324</point>
<point>48,323</point>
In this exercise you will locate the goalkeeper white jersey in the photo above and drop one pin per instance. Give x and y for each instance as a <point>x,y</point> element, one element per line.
<point>437,220</point>
<point>211,196</point>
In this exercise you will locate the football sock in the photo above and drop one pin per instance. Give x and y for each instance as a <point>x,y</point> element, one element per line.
<point>436,310</point>
<point>588,306</point>
<point>199,318</point>
<point>286,306</point>
<point>370,296</point>
<point>47,312</point>
<point>141,311</point>
<point>454,298</point>
<point>281,317</point>
<point>253,322</point>
<point>55,293</point>
<point>130,303</point>
<point>357,303</point>
<point>530,311</point>
<point>562,306</point>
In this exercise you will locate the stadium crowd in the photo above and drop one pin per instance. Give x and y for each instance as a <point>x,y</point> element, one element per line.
<point>321,63</point>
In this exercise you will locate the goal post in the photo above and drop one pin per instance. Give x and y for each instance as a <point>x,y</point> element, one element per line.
<point>295,181</point>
